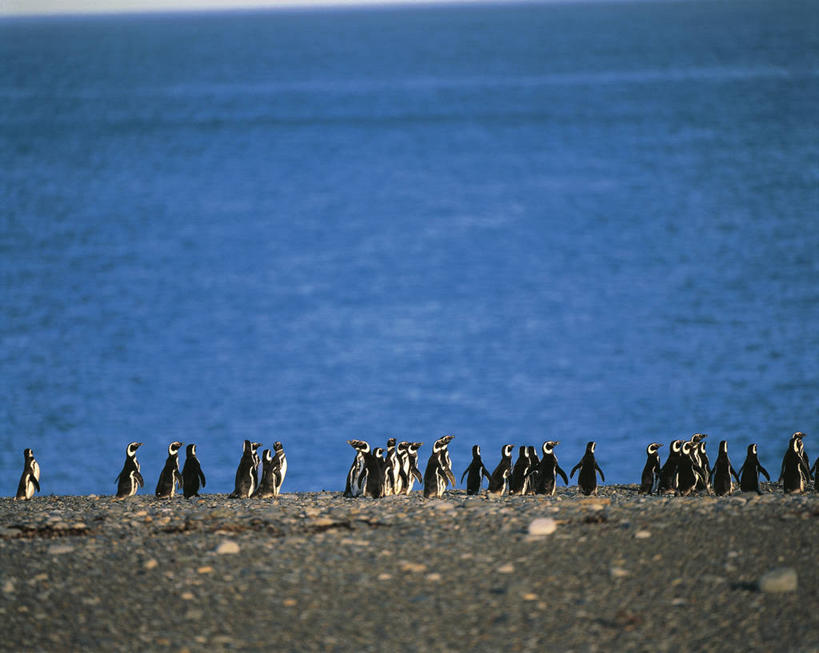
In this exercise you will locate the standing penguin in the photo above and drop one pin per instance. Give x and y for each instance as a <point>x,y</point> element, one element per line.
<point>668,473</point>
<point>279,467</point>
<point>375,475</point>
<point>355,477</point>
<point>393,469</point>
<point>246,478</point>
<point>414,472</point>
<point>517,480</point>
<point>795,474</point>
<point>689,473</point>
<point>30,479</point>
<point>650,478</point>
<point>402,451</point>
<point>497,481</point>
<point>191,473</point>
<point>547,470</point>
<point>750,470</point>
<point>170,475</point>
<point>533,475</point>
<point>722,472</point>
<point>129,478</point>
<point>437,473</point>
<point>705,464</point>
<point>445,459</point>
<point>475,472</point>
<point>587,478</point>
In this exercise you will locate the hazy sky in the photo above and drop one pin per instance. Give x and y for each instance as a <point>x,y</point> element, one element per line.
<point>17,7</point>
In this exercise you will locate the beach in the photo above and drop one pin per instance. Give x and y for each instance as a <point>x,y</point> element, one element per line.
<point>317,572</point>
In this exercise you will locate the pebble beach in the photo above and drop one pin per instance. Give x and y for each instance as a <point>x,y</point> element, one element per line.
<point>318,572</point>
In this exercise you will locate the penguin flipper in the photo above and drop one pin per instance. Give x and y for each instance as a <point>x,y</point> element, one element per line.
<point>764,472</point>
<point>574,469</point>
<point>450,476</point>
<point>733,471</point>
<point>202,476</point>
<point>417,475</point>
<point>602,476</point>
<point>35,482</point>
<point>560,471</point>
<point>464,474</point>
<point>139,479</point>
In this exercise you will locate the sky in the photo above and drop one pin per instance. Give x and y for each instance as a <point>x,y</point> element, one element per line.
<point>36,7</point>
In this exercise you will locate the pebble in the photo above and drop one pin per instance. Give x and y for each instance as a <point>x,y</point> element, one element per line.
<point>642,535</point>
<point>618,572</point>
<point>782,579</point>
<point>227,547</point>
<point>59,549</point>
<point>508,568</point>
<point>151,564</point>
<point>542,526</point>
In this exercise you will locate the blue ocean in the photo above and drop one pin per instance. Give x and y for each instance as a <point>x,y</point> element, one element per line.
<point>511,223</point>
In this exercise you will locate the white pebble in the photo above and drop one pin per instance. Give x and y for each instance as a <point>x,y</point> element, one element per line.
<point>227,546</point>
<point>642,535</point>
<point>58,549</point>
<point>782,579</point>
<point>542,526</point>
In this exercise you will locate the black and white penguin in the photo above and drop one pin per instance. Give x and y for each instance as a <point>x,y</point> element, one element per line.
<point>257,462</point>
<point>705,464</point>
<point>401,450</point>
<point>668,472</point>
<point>517,480</point>
<point>30,479</point>
<point>414,471</point>
<point>650,478</point>
<point>545,476</point>
<point>689,473</point>
<point>170,474</point>
<point>445,459</point>
<point>750,471</point>
<point>376,473</point>
<point>192,473</point>
<point>700,460</point>
<point>355,476</point>
<point>393,469</point>
<point>587,478</point>
<point>274,468</point>
<point>722,472</point>
<point>475,472</point>
<point>437,473</point>
<point>129,478</point>
<point>246,478</point>
<point>533,475</point>
<point>794,474</point>
<point>499,476</point>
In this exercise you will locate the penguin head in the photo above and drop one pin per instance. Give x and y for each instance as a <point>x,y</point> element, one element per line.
<point>723,446</point>
<point>379,451</point>
<point>530,451</point>
<point>28,454</point>
<point>799,435</point>
<point>190,451</point>
<point>702,447</point>
<point>390,443</point>
<point>590,447</point>
<point>254,446</point>
<point>415,446</point>
<point>277,446</point>
<point>686,448</point>
<point>131,449</point>
<point>522,451</point>
<point>267,456</point>
<point>796,445</point>
<point>174,447</point>
<point>676,446</point>
<point>476,450</point>
<point>698,436</point>
<point>653,448</point>
<point>506,450</point>
<point>359,445</point>
<point>752,449</point>
<point>247,447</point>
<point>447,439</point>
<point>403,446</point>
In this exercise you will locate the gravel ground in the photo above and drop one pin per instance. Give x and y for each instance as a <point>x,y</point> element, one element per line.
<point>316,571</point>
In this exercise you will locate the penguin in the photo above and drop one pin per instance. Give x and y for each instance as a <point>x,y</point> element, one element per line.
<point>497,480</point>
<point>256,462</point>
<point>170,475</point>
<point>587,478</point>
<point>437,474</point>
<point>650,478</point>
<point>688,471</point>
<point>129,478</point>
<point>30,479</point>
<point>697,452</point>
<point>246,478</point>
<point>522,466</point>
<point>376,473</point>
<point>705,465</point>
<point>445,459</point>
<point>414,472</point>
<point>475,472</point>
<point>750,470</point>
<point>722,472</point>
<point>393,467</point>
<point>401,450</point>
<point>274,468</point>
<point>191,473</point>
<point>533,475</point>
<point>668,472</point>
<point>355,476</point>
<point>794,474</point>
<point>545,476</point>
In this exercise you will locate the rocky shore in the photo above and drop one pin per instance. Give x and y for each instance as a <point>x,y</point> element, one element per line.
<point>317,572</point>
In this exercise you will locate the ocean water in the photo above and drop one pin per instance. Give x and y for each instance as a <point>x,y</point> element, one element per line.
<point>510,223</point>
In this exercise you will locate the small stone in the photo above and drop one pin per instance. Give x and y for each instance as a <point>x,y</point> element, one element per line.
<point>8,586</point>
<point>618,572</point>
<point>542,526</point>
<point>59,549</point>
<point>412,566</point>
<point>204,570</point>
<point>434,577</point>
<point>227,547</point>
<point>444,505</point>
<point>289,603</point>
<point>528,596</point>
<point>187,596</point>
<point>782,579</point>
<point>151,564</point>
<point>384,576</point>
<point>508,568</point>
<point>679,601</point>
<point>642,535</point>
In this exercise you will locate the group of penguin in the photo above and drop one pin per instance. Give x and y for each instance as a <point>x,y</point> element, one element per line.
<point>378,473</point>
